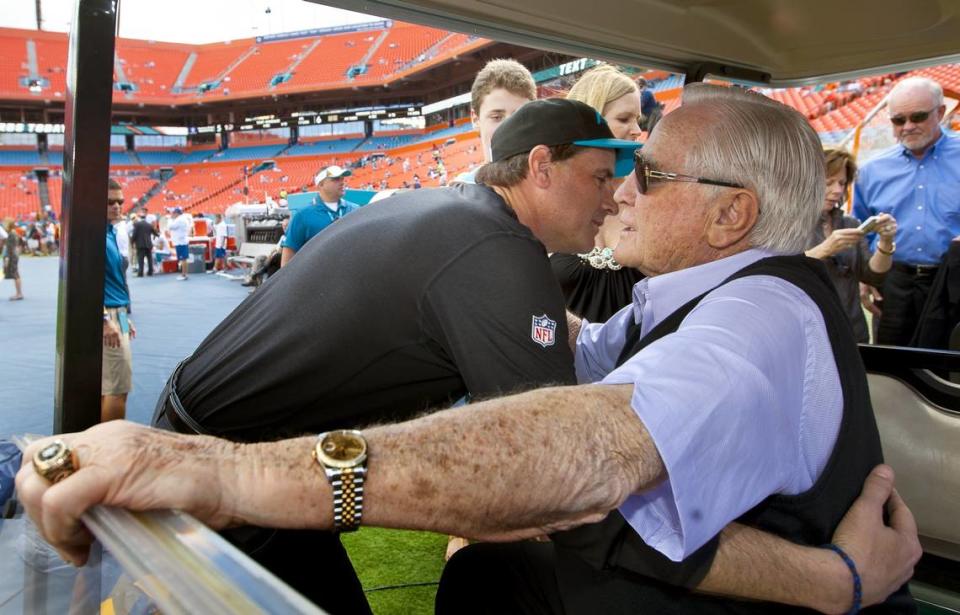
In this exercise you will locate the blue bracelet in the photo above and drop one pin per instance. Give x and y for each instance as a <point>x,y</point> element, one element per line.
<point>857,586</point>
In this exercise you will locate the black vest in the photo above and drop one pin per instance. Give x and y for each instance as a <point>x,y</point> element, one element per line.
<point>606,567</point>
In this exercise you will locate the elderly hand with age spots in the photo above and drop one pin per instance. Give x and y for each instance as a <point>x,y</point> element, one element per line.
<point>130,466</point>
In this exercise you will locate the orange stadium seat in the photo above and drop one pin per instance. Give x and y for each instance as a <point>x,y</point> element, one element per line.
<point>213,60</point>
<point>152,67</point>
<point>403,44</point>
<point>266,61</point>
<point>331,59</point>
<point>13,57</point>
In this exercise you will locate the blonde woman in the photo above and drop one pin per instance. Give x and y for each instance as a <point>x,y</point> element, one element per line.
<point>594,284</point>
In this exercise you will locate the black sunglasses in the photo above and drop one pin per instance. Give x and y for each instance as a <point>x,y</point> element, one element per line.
<point>644,174</point>
<point>114,201</point>
<point>915,117</point>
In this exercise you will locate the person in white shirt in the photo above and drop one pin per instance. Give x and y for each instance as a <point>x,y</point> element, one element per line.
<point>123,230</point>
<point>180,228</point>
<point>219,244</point>
<point>161,248</point>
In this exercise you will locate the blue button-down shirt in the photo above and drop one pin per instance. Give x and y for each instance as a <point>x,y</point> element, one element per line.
<point>742,401</point>
<point>922,194</point>
<point>115,292</point>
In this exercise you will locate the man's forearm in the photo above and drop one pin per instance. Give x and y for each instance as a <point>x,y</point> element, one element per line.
<point>286,254</point>
<point>751,564</point>
<point>503,469</point>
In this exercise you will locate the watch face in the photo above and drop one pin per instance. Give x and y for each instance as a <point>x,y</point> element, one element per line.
<point>342,449</point>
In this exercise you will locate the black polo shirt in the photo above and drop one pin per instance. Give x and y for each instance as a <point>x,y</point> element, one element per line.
<point>403,306</point>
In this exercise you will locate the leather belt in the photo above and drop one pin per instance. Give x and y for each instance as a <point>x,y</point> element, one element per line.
<point>173,409</point>
<point>917,270</point>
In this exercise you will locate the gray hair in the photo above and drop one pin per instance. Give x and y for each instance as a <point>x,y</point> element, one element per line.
<point>932,87</point>
<point>769,148</point>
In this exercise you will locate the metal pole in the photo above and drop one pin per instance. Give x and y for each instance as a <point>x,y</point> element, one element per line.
<point>85,170</point>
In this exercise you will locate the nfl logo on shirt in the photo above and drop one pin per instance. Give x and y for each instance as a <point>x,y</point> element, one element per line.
<point>544,330</point>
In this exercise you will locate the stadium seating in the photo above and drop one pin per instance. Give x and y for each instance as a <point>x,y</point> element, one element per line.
<point>236,68</point>
<point>152,68</point>
<point>10,157</point>
<point>330,60</point>
<point>260,152</point>
<point>212,61</point>
<point>322,148</point>
<point>13,55</point>
<point>160,158</point>
<point>52,61</point>
<point>404,44</point>
<point>267,60</point>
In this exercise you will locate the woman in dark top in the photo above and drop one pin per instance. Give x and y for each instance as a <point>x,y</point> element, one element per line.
<point>594,284</point>
<point>843,248</point>
<point>11,260</point>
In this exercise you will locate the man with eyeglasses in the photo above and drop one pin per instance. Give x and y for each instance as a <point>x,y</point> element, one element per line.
<point>118,329</point>
<point>715,397</point>
<point>918,183</point>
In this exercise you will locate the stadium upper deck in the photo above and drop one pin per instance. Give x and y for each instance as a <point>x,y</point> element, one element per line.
<point>33,63</point>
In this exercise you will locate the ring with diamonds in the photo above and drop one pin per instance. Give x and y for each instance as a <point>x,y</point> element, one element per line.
<point>55,461</point>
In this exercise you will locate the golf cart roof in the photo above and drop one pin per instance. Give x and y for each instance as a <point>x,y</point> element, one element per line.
<point>779,43</point>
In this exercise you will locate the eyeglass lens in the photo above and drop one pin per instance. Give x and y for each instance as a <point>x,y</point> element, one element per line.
<point>640,171</point>
<point>916,118</point>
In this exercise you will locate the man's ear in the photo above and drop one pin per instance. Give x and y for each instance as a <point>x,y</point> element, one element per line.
<point>539,162</point>
<point>474,119</point>
<point>732,218</point>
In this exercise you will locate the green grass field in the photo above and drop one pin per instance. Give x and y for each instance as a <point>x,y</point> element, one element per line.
<point>399,570</point>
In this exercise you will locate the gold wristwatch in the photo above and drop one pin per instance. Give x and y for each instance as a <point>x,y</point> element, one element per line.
<point>343,456</point>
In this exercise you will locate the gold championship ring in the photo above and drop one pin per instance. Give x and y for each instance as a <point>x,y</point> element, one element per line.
<point>55,461</point>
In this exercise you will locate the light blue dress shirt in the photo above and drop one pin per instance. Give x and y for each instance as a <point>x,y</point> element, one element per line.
<point>922,194</point>
<point>742,401</point>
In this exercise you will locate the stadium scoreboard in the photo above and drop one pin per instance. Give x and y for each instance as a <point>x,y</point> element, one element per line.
<point>311,118</point>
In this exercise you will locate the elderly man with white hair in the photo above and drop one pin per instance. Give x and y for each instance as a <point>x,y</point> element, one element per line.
<point>728,398</point>
<point>918,182</point>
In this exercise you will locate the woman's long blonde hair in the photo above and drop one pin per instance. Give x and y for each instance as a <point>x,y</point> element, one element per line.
<point>600,86</point>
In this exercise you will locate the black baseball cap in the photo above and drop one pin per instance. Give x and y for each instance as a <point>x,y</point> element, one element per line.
<point>555,121</point>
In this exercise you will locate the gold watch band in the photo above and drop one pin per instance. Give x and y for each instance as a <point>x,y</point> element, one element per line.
<point>347,487</point>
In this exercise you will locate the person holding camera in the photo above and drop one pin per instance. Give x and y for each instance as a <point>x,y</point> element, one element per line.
<point>840,242</point>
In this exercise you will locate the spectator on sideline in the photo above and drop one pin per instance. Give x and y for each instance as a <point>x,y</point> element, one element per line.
<point>118,329</point>
<point>843,248</point>
<point>161,248</point>
<point>562,457</point>
<point>11,259</point>
<point>650,109</point>
<point>594,284</point>
<point>314,218</point>
<point>499,89</point>
<point>220,244</point>
<point>142,237</point>
<point>266,265</point>
<point>180,228</point>
<point>917,183</point>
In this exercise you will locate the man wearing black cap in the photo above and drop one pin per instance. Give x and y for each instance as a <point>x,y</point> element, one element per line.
<point>410,305</point>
